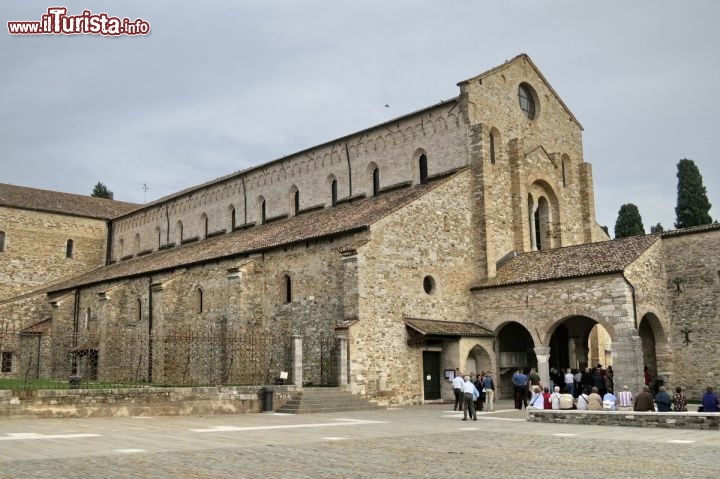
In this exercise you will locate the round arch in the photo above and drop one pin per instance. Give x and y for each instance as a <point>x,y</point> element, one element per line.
<point>477,360</point>
<point>656,352</point>
<point>515,350</point>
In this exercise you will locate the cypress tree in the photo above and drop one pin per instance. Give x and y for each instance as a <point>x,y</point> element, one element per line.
<point>629,222</point>
<point>693,207</point>
<point>101,191</point>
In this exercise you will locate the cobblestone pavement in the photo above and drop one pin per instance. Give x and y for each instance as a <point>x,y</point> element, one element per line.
<point>424,441</point>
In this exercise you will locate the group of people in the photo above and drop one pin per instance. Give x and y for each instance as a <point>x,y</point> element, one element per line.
<point>471,392</point>
<point>578,380</point>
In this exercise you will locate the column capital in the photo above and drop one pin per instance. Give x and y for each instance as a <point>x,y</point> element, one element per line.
<point>542,351</point>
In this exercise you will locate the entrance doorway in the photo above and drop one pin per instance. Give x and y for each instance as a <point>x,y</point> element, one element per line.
<point>431,375</point>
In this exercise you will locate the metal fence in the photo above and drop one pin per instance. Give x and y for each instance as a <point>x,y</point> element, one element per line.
<point>122,356</point>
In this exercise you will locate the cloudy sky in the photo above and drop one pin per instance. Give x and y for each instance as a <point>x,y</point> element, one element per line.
<point>221,85</point>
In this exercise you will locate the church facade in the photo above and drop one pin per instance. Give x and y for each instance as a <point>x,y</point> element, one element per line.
<point>461,236</point>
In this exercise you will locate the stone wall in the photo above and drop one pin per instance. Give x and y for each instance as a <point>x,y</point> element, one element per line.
<point>692,264</point>
<point>83,403</point>
<point>438,132</point>
<point>430,237</point>
<point>670,420</point>
<point>540,307</point>
<point>35,248</point>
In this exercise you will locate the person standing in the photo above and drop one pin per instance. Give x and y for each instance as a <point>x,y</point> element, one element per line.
<point>520,382</point>
<point>679,400</point>
<point>625,400</point>
<point>480,387</point>
<point>569,380</point>
<point>644,401</point>
<point>457,384</point>
<point>470,394</point>
<point>489,386</point>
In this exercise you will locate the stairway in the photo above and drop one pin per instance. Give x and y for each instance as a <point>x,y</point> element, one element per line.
<point>311,400</point>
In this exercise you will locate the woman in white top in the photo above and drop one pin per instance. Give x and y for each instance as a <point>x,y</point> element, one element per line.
<point>537,401</point>
<point>555,398</point>
<point>582,401</point>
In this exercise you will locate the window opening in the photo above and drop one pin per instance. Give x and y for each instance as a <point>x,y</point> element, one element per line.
<point>69,248</point>
<point>376,181</point>
<point>423,169</point>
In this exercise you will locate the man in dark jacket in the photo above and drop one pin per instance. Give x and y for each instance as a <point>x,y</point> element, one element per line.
<point>644,401</point>
<point>662,399</point>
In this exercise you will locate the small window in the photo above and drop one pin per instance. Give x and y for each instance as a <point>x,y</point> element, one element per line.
<point>232,219</point>
<point>429,284</point>
<point>333,192</point>
<point>262,212</point>
<point>179,231</point>
<point>138,306</point>
<point>2,241</point>
<point>199,300</point>
<point>288,288</point>
<point>69,248</point>
<point>296,202</point>
<point>527,100</point>
<point>423,169</point>
<point>6,362</point>
<point>376,181</point>
<point>205,225</point>
<point>492,149</point>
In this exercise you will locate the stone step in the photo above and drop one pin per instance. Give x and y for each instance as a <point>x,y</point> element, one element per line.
<point>326,400</point>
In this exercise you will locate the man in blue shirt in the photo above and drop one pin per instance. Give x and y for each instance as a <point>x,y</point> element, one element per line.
<point>520,383</point>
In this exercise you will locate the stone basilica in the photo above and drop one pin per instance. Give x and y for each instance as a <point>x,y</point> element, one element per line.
<point>460,236</point>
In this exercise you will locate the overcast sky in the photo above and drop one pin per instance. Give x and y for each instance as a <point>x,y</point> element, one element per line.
<point>222,85</point>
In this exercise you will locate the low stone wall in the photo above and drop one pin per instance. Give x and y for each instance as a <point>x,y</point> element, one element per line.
<point>82,403</point>
<point>671,420</point>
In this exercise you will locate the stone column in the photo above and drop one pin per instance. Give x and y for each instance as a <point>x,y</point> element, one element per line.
<point>581,353</point>
<point>342,340</point>
<point>543,358</point>
<point>297,361</point>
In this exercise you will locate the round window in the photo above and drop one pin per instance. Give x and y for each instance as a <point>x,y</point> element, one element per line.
<point>429,284</point>
<point>526,97</point>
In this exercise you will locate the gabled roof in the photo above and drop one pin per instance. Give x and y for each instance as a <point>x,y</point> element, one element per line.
<point>345,218</point>
<point>435,327</point>
<point>523,56</point>
<point>691,230</point>
<point>570,262</point>
<point>35,199</point>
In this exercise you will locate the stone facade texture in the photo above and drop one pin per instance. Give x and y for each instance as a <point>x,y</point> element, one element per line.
<point>498,230</point>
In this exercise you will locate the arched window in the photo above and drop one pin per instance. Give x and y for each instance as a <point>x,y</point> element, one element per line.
<point>376,181</point>
<point>138,306</point>
<point>2,241</point>
<point>423,169</point>
<point>179,232</point>
<point>69,248</point>
<point>542,224</point>
<point>492,148</point>
<point>232,218</point>
<point>287,283</point>
<point>121,248</point>
<point>333,192</point>
<point>199,300</point>
<point>527,100</point>
<point>87,318</point>
<point>136,243</point>
<point>296,202</point>
<point>263,216</point>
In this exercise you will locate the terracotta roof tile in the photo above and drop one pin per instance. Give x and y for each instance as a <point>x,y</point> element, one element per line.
<point>62,203</point>
<point>344,218</point>
<point>571,261</point>
<point>434,327</point>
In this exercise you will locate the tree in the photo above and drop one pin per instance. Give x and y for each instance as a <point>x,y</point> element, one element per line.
<point>606,230</point>
<point>101,191</point>
<point>658,228</point>
<point>629,222</point>
<point>693,207</point>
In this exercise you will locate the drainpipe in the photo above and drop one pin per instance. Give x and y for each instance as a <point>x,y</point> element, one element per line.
<point>634,299</point>
<point>76,327</point>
